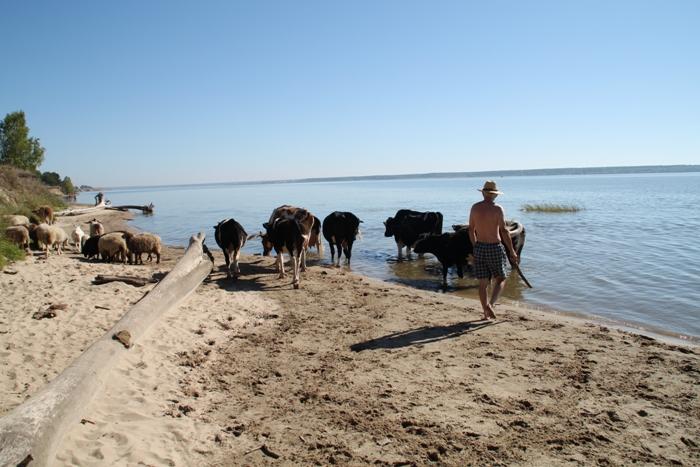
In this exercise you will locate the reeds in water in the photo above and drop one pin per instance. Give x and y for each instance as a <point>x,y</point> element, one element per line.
<point>550,207</point>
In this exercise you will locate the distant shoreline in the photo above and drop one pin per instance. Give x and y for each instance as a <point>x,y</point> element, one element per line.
<point>618,170</point>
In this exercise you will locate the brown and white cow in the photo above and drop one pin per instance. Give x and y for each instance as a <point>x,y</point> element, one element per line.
<point>289,229</point>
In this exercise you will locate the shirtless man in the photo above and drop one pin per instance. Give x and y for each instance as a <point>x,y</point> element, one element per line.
<point>487,227</point>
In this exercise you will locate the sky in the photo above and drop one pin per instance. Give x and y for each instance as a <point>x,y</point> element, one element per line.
<point>168,92</point>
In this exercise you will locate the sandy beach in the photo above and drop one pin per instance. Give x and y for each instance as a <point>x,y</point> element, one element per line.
<point>347,370</point>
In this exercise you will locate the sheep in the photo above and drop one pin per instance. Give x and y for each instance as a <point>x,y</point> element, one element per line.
<point>112,246</point>
<point>18,234</point>
<point>90,247</point>
<point>96,228</point>
<point>45,214</point>
<point>51,236</point>
<point>16,220</point>
<point>78,237</point>
<point>143,243</point>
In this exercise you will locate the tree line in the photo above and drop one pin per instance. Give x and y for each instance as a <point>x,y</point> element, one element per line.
<point>20,150</point>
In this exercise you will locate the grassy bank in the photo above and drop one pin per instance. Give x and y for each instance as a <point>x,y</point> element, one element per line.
<point>20,193</point>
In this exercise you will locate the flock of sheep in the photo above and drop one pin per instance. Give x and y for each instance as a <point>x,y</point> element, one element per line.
<point>113,246</point>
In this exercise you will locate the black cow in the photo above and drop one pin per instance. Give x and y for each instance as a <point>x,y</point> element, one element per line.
<point>230,236</point>
<point>515,228</point>
<point>407,226</point>
<point>287,234</point>
<point>451,249</point>
<point>340,230</point>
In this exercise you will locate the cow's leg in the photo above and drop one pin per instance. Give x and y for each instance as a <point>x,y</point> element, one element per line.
<point>400,247</point>
<point>237,257</point>
<point>332,248</point>
<point>303,258</point>
<point>228,262</point>
<point>340,253</point>
<point>348,252</point>
<point>408,252</point>
<point>444,275</point>
<point>297,265</point>
<point>280,264</point>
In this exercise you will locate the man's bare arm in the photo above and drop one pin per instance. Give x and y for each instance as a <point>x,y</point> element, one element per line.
<point>472,229</point>
<point>505,238</point>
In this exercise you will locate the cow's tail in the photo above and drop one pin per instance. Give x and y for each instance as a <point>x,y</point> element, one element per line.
<point>438,223</point>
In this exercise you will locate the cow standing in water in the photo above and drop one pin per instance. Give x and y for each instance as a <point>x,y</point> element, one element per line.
<point>451,249</point>
<point>289,229</point>
<point>230,236</point>
<point>340,230</point>
<point>407,226</point>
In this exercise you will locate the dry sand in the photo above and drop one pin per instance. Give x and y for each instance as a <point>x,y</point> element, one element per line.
<point>347,370</point>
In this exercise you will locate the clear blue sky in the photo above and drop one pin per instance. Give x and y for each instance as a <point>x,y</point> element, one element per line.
<point>158,92</point>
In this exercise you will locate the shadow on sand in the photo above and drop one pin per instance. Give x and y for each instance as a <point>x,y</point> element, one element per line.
<point>423,335</point>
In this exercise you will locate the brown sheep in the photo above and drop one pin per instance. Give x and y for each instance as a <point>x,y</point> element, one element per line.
<point>143,243</point>
<point>49,236</point>
<point>96,228</point>
<point>18,234</point>
<point>45,214</point>
<point>112,247</point>
<point>16,220</point>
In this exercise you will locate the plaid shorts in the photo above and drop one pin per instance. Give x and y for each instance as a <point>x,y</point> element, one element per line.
<point>489,260</point>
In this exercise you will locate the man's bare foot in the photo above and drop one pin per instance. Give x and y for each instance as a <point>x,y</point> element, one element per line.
<point>488,313</point>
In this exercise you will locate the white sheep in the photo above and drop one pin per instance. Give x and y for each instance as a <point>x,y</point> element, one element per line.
<point>112,246</point>
<point>16,220</point>
<point>18,234</point>
<point>49,236</point>
<point>78,237</point>
<point>96,228</point>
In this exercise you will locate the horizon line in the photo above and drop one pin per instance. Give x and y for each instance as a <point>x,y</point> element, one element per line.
<point>632,169</point>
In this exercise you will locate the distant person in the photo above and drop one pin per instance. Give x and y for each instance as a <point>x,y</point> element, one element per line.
<point>99,198</point>
<point>487,228</point>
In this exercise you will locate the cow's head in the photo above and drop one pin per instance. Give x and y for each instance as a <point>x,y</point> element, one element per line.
<point>389,227</point>
<point>265,240</point>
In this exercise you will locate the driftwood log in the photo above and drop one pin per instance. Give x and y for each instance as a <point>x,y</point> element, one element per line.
<point>79,211</point>
<point>145,209</point>
<point>131,280</point>
<point>36,427</point>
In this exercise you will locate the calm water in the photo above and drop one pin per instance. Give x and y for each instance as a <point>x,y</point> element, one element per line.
<point>630,256</point>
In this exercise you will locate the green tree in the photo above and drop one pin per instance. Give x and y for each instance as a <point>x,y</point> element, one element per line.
<point>51,178</point>
<point>67,186</point>
<point>16,147</point>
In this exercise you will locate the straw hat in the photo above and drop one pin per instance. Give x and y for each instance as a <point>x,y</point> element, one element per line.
<point>490,187</point>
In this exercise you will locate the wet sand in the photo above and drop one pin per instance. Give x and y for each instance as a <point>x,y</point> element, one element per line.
<point>347,370</point>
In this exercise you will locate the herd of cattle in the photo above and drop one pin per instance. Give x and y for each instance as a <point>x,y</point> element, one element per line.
<point>294,230</point>
<point>290,230</point>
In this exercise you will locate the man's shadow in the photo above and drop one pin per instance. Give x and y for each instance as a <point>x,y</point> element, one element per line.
<point>423,335</point>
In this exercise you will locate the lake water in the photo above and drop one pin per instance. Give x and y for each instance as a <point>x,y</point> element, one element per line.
<point>629,256</point>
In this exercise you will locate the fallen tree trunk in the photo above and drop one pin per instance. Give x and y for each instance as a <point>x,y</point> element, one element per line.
<point>35,428</point>
<point>79,211</point>
<point>145,209</point>
<point>131,280</point>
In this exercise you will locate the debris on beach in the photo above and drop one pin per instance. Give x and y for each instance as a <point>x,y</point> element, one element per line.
<point>124,337</point>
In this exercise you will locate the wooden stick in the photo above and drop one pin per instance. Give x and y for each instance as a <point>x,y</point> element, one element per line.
<point>522,276</point>
<point>131,280</point>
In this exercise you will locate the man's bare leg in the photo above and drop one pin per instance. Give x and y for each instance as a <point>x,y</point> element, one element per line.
<point>483,292</point>
<point>498,283</point>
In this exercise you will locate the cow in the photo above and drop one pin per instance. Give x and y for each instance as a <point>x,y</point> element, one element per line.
<point>230,236</point>
<point>287,234</point>
<point>515,228</point>
<point>407,226</point>
<point>305,222</point>
<point>450,248</point>
<point>340,230</point>
<point>314,239</point>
